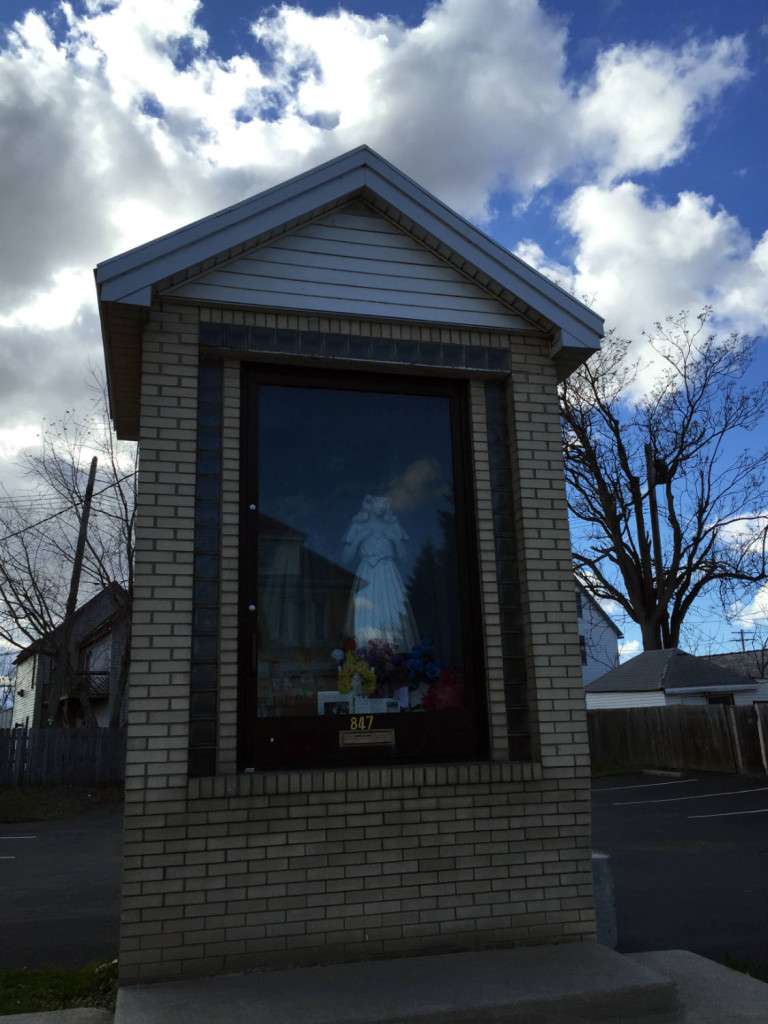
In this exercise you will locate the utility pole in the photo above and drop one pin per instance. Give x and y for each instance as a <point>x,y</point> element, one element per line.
<point>740,632</point>
<point>62,648</point>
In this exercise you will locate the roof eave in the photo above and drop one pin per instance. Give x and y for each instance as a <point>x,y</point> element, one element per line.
<point>127,282</point>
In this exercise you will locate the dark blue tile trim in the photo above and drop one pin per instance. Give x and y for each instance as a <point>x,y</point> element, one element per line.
<point>346,346</point>
<point>510,607</point>
<point>204,670</point>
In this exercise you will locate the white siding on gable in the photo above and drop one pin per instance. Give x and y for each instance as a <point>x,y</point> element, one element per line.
<point>599,643</point>
<point>27,692</point>
<point>353,262</point>
<point>743,696</point>
<point>658,698</point>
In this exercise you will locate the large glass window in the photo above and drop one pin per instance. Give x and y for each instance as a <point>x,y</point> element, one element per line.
<point>359,635</point>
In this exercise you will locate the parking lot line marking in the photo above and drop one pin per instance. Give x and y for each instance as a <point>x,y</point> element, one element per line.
<point>643,785</point>
<point>700,796</point>
<point>7,858</point>
<point>18,837</point>
<point>729,814</point>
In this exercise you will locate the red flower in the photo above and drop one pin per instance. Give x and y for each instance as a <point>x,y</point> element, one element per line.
<point>349,644</point>
<point>446,694</point>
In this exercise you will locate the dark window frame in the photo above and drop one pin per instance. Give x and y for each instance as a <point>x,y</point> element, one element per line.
<point>420,737</point>
<point>583,650</point>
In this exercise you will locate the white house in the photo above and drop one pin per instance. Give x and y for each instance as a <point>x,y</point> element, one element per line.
<point>661,678</point>
<point>598,637</point>
<point>97,646</point>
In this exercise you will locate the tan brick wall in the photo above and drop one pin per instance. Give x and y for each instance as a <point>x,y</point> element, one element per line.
<point>552,654</point>
<point>156,768</point>
<point>303,867</point>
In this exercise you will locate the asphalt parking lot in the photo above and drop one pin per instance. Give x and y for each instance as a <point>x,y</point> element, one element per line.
<point>690,862</point>
<point>60,883</point>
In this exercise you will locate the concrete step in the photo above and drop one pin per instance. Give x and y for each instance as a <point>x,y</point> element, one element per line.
<point>573,983</point>
<point>710,992</point>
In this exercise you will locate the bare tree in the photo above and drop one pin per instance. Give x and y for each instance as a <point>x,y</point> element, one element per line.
<point>7,678</point>
<point>710,528</point>
<point>39,524</point>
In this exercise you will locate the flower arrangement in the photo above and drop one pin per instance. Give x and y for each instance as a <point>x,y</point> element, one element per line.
<point>354,672</point>
<point>447,693</point>
<point>378,669</point>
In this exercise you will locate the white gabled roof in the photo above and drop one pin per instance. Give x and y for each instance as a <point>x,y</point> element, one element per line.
<point>126,283</point>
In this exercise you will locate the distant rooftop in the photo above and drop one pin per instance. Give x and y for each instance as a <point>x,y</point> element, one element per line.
<point>666,670</point>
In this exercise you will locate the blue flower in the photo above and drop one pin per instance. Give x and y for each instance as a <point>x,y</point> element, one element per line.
<point>432,670</point>
<point>414,665</point>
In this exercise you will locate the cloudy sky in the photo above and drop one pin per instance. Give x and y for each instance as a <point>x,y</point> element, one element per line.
<point>617,145</point>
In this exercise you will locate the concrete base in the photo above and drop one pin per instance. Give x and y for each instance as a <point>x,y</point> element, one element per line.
<point>581,983</point>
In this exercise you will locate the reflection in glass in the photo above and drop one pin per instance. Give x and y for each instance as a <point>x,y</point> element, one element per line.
<point>359,607</point>
<point>378,606</point>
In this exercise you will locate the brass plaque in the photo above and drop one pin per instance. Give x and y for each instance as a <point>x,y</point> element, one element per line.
<point>366,737</point>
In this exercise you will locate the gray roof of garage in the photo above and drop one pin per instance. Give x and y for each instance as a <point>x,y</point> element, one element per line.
<point>666,670</point>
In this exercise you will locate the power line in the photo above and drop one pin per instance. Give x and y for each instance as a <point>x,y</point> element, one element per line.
<point>67,508</point>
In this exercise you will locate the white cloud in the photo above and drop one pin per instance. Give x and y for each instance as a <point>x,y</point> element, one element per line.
<point>45,371</point>
<point>58,305</point>
<point>750,532</point>
<point>642,258</point>
<point>752,614</point>
<point>628,649</point>
<point>14,440</point>
<point>126,124</point>
<point>421,483</point>
<point>412,93</point>
<point>638,113</point>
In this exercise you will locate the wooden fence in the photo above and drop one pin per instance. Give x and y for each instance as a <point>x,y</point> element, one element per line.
<point>87,757</point>
<point>714,738</point>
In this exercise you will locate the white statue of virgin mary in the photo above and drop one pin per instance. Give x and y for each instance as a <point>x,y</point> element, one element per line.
<point>378,606</point>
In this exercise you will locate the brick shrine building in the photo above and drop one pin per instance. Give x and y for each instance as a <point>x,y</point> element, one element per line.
<point>356,725</point>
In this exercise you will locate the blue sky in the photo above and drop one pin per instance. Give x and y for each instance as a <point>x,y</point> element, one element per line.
<point>619,146</point>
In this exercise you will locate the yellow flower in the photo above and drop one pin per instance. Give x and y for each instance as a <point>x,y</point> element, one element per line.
<point>358,672</point>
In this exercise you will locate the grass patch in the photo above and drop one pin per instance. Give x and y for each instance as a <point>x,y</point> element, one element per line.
<point>53,803</point>
<point>58,988</point>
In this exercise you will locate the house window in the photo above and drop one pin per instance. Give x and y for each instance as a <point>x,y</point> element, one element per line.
<point>579,610</point>
<point>720,698</point>
<point>95,662</point>
<point>360,640</point>
<point>583,649</point>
